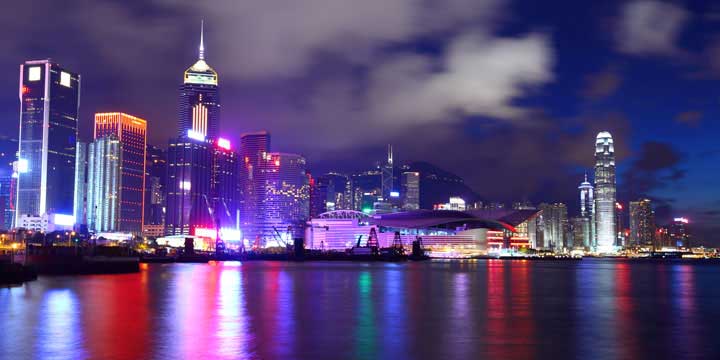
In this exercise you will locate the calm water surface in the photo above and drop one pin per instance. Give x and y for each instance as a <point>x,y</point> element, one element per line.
<point>593,309</point>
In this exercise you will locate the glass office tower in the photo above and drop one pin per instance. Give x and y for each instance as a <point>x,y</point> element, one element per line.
<point>49,104</point>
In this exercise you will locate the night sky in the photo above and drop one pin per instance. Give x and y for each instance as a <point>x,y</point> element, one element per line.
<point>507,94</point>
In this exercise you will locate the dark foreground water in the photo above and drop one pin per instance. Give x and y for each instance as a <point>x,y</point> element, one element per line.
<point>593,309</point>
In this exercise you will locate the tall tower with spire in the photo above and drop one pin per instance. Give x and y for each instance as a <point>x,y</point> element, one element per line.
<point>587,212</point>
<point>605,192</point>
<point>199,100</point>
<point>388,178</point>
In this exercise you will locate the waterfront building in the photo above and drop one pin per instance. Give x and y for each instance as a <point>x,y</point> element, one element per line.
<point>284,204</point>
<point>642,223</point>
<point>582,236</point>
<point>411,190</point>
<point>49,104</point>
<point>366,190</point>
<point>224,185</point>
<point>104,184</point>
<point>131,133</point>
<point>679,233</point>
<point>455,203</point>
<point>555,226</point>
<point>6,196</point>
<point>620,240</point>
<point>523,205</point>
<point>80,196</point>
<point>587,210</point>
<point>605,192</point>
<point>189,174</point>
<point>199,105</point>
<point>253,147</point>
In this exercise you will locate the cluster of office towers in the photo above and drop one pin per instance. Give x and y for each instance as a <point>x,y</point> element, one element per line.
<point>119,184</point>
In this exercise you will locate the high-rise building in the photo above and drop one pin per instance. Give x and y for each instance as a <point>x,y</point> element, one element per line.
<point>49,104</point>
<point>224,185</point>
<point>581,232</point>
<point>104,184</point>
<point>284,205</point>
<point>620,239</point>
<point>642,223</point>
<point>605,192</point>
<point>587,211</point>
<point>131,132</point>
<point>388,179</point>
<point>366,190</point>
<point>80,183</point>
<point>190,167</point>
<point>155,180</point>
<point>555,226</point>
<point>199,106</point>
<point>253,147</point>
<point>679,233</point>
<point>329,192</point>
<point>6,195</point>
<point>411,190</point>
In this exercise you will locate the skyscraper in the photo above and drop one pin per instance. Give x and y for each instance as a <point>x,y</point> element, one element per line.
<point>284,205</point>
<point>104,178</point>
<point>679,233</point>
<point>587,211</point>
<point>131,131</point>
<point>253,147</point>
<point>49,104</point>
<point>80,183</point>
<point>411,190</point>
<point>155,182</point>
<point>555,226</point>
<point>199,105</point>
<point>642,223</point>
<point>224,184</point>
<point>605,192</point>
<point>388,179</point>
<point>190,166</point>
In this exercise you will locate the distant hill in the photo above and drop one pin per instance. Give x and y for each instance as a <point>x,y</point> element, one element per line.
<point>438,185</point>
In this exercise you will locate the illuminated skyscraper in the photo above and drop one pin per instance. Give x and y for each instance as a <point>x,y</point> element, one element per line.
<point>253,147</point>
<point>155,182</point>
<point>104,178</point>
<point>49,104</point>
<point>679,233</point>
<point>199,105</point>
<point>642,223</point>
<point>411,190</point>
<point>587,210</point>
<point>605,192</point>
<point>284,205</point>
<point>130,132</point>
<point>80,183</point>
<point>555,226</point>
<point>190,166</point>
<point>224,184</point>
<point>388,179</point>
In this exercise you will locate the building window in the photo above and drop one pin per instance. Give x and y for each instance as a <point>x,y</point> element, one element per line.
<point>34,73</point>
<point>64,79</point>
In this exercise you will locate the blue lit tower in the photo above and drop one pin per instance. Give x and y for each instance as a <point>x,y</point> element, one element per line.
<point>199,105</point>
<point>49,104</point>
<point>253,147</point>
<point>605,192</point>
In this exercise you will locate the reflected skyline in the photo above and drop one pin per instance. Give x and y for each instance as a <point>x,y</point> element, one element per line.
<point>272,310</point>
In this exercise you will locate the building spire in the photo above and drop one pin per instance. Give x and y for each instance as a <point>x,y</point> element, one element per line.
<point>202,44</point>
<point>586,176</point>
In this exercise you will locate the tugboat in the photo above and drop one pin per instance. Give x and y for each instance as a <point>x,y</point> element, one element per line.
<point>418,253</point>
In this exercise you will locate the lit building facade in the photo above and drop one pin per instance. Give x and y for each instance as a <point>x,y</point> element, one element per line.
<point>80,183</point>
<point>284,205</point>
<point>49,104</point>
<point>155,180</point>
<point>555,228</point>
<point>253,149</point>
<point>587,211</point>
<point>104,184</point>
<point>582,236</point>
<point>190,166</point>
<point>388,179</point>
<point>411,190</point>
<point>199,105</point>
<point>605,192</point>
<point>224,184</point>
<point>679,233</point>
<point>366,190</point>
<point>131,132</point>
<point>642,223</point>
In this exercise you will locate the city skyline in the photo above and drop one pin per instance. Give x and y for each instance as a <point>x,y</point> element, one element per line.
<point>643,168</point>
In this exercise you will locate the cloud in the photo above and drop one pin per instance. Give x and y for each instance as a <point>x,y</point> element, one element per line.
<point>657,166</point>
<point>648,27</point>
<point>601,85</point>
<point>691,118</point>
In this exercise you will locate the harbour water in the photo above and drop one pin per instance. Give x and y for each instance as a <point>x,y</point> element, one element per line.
<point>481,309</point>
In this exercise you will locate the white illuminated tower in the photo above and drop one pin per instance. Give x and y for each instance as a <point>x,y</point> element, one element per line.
<point>587,210</point>
<point>605,192</point>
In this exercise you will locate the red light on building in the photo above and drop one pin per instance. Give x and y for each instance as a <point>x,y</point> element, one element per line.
<point>277,162</point>
<point>223,143</point>
<point>25,90</point>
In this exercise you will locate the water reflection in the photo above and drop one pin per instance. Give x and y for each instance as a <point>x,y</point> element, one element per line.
<point>595,309</point>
